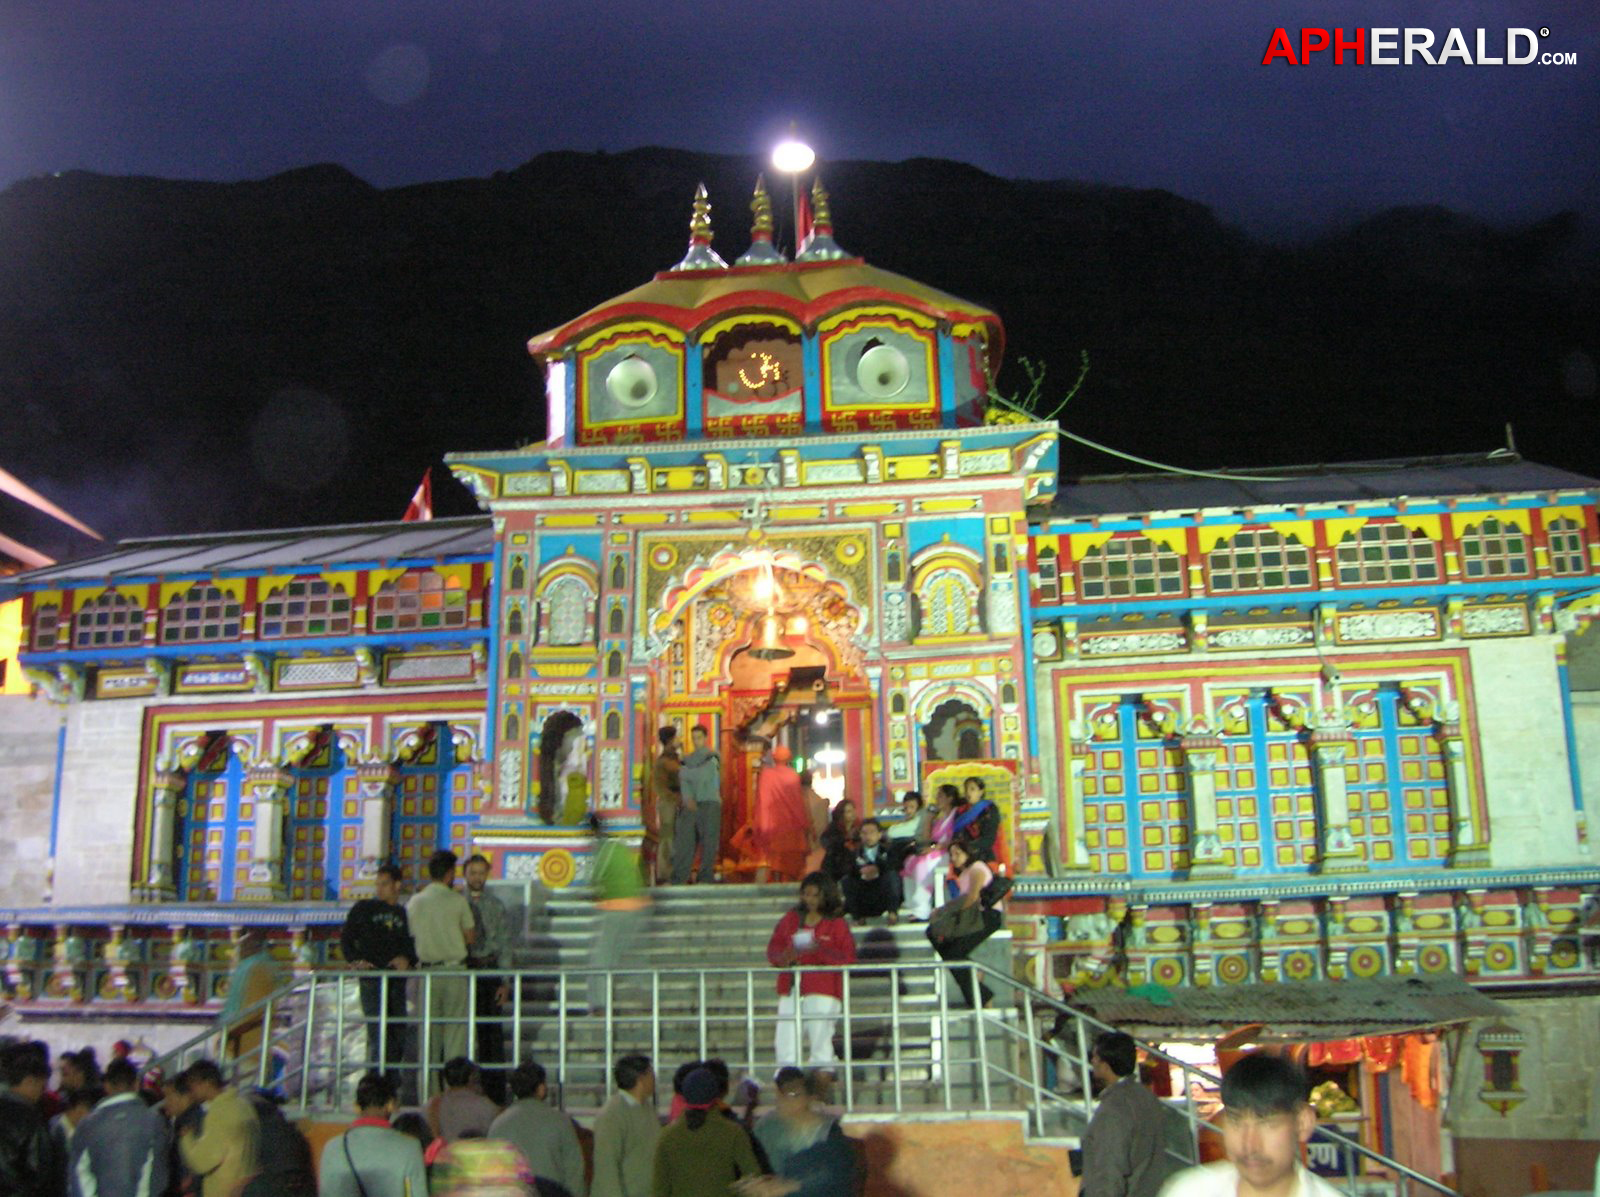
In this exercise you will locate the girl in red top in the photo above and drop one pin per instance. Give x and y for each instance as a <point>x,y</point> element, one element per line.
<point>814,932</point>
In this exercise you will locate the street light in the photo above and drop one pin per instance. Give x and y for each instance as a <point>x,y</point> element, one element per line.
<point>793,157</point>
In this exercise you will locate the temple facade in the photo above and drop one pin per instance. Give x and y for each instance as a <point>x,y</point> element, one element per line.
<point>1305,724</point>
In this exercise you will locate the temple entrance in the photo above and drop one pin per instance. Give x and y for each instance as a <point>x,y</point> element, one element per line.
<point>762,653</point>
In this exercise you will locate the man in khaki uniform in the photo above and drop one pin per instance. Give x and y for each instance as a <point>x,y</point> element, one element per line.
<point>442,928</point>
<point>669,795</point>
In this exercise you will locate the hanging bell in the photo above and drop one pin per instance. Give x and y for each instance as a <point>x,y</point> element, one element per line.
<point>770,647</point>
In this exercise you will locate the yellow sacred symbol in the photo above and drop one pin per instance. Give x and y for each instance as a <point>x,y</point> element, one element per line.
<point>770,371</point>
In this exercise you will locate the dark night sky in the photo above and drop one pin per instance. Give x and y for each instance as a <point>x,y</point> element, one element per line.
<point>1140,94</point>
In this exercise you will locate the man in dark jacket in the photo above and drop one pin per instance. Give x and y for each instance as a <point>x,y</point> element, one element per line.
<point>121,1149</point>
<point>377,936</point>
<point>28,1164</point>
<point>1123,1153</point>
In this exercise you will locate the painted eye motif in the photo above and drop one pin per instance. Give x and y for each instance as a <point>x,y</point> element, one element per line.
<point>883,371</point>
<point>632,382</point>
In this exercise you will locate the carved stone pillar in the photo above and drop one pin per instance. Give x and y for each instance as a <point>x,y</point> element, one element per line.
<point>1331,746</point>
<point>161,881</point>
<point>1469,838</point>
<point>269,791</point>
<point>1206,856</point>
<point>378,781</point>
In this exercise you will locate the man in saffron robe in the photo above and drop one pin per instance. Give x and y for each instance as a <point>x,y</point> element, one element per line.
<point>782,823</point>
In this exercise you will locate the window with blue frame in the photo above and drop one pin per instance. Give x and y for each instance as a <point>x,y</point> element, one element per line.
<point>433,806</point>
<point>1399,798</point>
<point>322,830</point>
<point>215,830</point>
<point>1266,799</point>
<point>1135,798</point>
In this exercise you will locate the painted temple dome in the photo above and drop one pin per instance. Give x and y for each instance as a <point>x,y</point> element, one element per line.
<point>768,347</point>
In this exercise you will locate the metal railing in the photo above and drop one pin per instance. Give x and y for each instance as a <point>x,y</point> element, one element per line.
<point>907,1040</point>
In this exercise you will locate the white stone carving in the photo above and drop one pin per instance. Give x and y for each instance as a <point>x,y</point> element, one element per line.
<point>1263,637</point>
<point>835,471</point>
<point>896,617</point>
<point>320,673</point>
<point>1494,621</point>
<point>1046,644</point>
<point>603,482</point>
<point>509,778</point>
<point>1389,625</point>
<point>522,866</point>
<point>986,461</point>
<point>451,665</point>
<point>570,602</point>
<point>527,484</point>
<point>611,775</point>
<point>1002,610</point>
<point>1132,643</point>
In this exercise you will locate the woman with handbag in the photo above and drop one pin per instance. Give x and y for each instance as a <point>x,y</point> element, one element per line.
<point>964,922</point>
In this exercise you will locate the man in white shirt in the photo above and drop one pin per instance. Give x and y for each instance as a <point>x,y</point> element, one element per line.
<point>442,928</point>
<point>1266,1120</point>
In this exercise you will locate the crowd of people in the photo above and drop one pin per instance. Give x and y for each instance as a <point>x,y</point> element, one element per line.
<point>123,1131</point>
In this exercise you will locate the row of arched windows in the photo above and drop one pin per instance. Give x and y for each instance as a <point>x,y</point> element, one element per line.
<point>1262,559</point>
<point>419,600</point>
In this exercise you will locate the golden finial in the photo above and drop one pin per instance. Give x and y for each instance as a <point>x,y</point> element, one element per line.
<point>700,223</point>
<point>821,214</point>
<point>701,256</point>
<point>761,206</point>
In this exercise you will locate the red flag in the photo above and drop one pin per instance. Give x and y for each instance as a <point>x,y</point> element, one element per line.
<point>802,221</point>
<point>421,505</point>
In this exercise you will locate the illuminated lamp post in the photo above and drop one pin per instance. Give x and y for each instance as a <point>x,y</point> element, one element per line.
<point>793,157</point>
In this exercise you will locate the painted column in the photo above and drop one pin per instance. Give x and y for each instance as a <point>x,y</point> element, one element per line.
<point>1074,847</point>
<point>1469,838</point>
<point>166,787</point>
<point>1206,857</point>
<point>377,780</point>
<point>1331,745</point>
<point>269,790</point>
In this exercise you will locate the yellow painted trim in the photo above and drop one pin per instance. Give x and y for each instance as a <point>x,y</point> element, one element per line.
<point>232,587</point>
<point>1211,535</point>
<point>632,330</point>
<point>1304,531</point>
<point>913,401</point>
<point>709,517</point>
<point>967,328</point>
<point>1174,540</point>
<point>82,598</point>
<point>1083,543</point>
<point>1339,529</point>
<point>677,478</point>
<point>942,505</point>
<point>585,519</point>
<point>799,513</point>
<point>377,579</point>
<point>641,519</point>
<point>876,315</point>
<point>1549,515</point>
<point>12,679</point>
<point>856,510</point>
<point>454,576</point>
<point>615,339</point>
<point>754,316</point>
<point>1429,525</point>
<point>912,468</point>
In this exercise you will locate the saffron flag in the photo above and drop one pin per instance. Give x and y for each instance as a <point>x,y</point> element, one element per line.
<point>421,505</point>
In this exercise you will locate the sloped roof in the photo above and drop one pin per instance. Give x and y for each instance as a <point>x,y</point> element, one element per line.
<point>1292,1010</point>
<point>271,551</point>
<point>804,291</point>
<point>1464,475</point>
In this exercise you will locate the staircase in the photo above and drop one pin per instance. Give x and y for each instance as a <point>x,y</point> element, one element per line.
<point>698,986</point>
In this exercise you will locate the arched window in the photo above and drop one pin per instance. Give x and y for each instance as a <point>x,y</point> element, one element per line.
<point>1008,694</point>
<point>569,602</point>
<point>894,570</point>
<point>1381,553</point>
<point>46,627</point>
<point>514,664</point>
<point>614,620</point>
<point>619,572</point>
<point>613,664</point>
<point>513,727</point>
<point>947,601</point>
<point>420,600</point>
<point>1259,559</point>
<point>514,622</point>
<point>108,621</point>
<point>1130,567</point>
<point>1491,549</point>
<point>1049,578</point>
<point>201,613</point>
<point>613,725</point>
<point>305,607</point>
<point>1568,554</point>
<point>519,573</point>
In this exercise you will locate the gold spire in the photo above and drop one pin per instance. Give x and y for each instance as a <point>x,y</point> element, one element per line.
<point>821,214</point>
<point>700,223</point>
<point>701,256</point>
<point>761,206</point>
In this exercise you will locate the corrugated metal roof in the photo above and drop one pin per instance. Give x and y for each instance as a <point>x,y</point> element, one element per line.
<point>1432,477</point>
<point>275,550</point>
<point>1292,1009</point>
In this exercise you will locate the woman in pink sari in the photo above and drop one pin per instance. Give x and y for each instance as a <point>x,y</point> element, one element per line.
<point>924,870</point>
